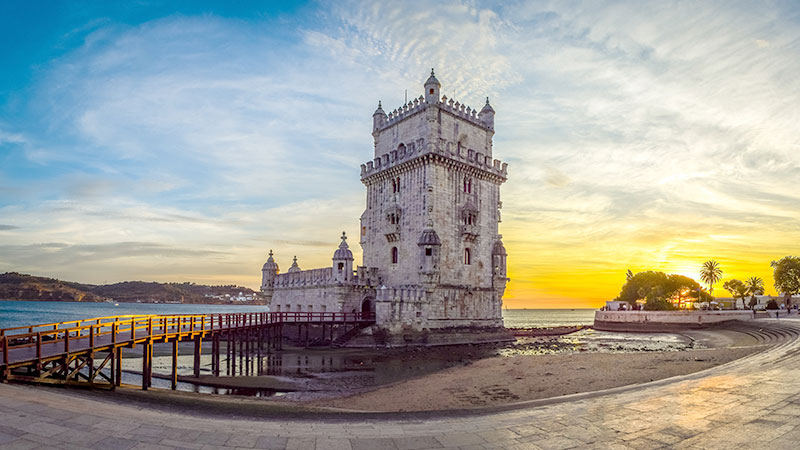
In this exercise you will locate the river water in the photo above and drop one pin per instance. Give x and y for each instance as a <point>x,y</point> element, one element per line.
<point>15,313</point>
<point>335,370</point>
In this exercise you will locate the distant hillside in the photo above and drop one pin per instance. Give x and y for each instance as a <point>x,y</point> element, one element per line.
<point>16,286</point>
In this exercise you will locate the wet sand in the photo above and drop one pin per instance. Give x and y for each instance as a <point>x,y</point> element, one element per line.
<point>501,380</point>
<point>543,363</point>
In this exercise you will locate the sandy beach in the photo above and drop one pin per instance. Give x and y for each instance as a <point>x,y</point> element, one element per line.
<point>543,363</point>
<point>500,380</point>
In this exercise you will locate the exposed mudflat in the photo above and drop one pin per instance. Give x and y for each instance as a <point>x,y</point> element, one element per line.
<point>499,380</point>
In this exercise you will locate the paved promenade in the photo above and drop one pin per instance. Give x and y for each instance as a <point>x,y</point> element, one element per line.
<point>750,403</point>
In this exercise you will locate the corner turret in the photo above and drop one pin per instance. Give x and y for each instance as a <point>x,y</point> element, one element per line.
<point>432,89</point>
<point>343,261</point>
<point>429,247</point>
<point>499,269</point>
<point>378,118</point>
<point>487,114</point>
<point>294,268</point>
<point>268,273</point>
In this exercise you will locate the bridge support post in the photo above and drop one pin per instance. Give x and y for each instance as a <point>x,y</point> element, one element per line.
<point>6,372</point>
<point>174,377</point>
<point>232,353</point>
<point>147,362</point>
<point>198,345</point>
<point>118,367</point>
<point>215,355</point>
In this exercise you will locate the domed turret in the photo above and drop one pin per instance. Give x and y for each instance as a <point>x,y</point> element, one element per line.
<point>429,237</point>
<point>343,261</point>
<point>268,272</point>
<point>429,245</point>
<point>432,86</point>
<point>294,268</point>
<point>499,256</point>
<point>378,117</point>
<point>499,248</point>
<point>487,114</point>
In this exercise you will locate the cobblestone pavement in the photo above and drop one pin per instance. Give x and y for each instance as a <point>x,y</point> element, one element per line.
<point>749,403</point>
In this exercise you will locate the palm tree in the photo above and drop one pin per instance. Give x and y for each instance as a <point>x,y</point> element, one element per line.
<point>754,286</point>
<point>710,274</point>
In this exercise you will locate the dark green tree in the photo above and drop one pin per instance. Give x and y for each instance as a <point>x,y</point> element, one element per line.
<point>660,291</point>
<point>737,290</point>
<point>786,273</point>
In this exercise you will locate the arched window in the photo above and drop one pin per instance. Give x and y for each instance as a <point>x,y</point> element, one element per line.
<point>465,184</point>
<point>394,186</point>
<point>397,183</point>
<point>394,255</point>
<point>469,186</point>
<point>467,256</point>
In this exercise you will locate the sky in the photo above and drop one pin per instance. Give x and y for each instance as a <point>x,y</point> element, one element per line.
<point>180,141</point>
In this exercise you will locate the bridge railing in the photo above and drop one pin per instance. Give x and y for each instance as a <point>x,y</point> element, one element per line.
<point>129,328</point>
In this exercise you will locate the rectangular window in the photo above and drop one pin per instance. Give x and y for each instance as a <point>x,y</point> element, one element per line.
<point>428,251</point>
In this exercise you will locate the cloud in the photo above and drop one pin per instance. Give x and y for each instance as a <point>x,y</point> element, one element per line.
<point>634,133</point>
<point>4,227</point>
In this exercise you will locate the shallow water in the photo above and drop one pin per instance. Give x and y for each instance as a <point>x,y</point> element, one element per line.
<point>589,340</point>
<point>16,313</point>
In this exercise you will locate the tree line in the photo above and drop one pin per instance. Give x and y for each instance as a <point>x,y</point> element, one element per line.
<point>659,291</point>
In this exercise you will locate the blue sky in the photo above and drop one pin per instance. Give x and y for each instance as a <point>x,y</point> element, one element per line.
<point>182,140</point>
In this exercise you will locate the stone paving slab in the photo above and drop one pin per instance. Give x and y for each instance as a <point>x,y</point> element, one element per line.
<point>750,403</point>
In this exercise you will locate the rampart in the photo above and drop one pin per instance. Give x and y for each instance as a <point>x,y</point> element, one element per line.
<point>657,321</point>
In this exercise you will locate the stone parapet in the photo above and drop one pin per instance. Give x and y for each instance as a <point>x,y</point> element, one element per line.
<point>447,152</point>
<point>664,320</point>
<point>312,277</point>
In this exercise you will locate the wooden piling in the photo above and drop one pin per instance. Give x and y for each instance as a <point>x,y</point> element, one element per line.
<point>145,364</point>
<point>198,345</point>
<point>174,377</point>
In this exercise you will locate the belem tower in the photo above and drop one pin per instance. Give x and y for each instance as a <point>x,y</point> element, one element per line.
<point>433,261</point>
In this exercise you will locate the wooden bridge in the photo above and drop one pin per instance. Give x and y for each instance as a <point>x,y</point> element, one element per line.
<point>81,352</point>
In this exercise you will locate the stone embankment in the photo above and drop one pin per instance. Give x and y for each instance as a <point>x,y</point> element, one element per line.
<point>665,321</point>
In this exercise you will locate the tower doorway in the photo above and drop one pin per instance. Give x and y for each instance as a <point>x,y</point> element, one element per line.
<point>367,306</point>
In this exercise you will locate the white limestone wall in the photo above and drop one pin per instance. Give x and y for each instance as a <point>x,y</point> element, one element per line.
<point>411,202</point>
<point>317,298</point>
<point>407,131</point>
<point>448,202</point>
<point>453,130</point>
<point>669,317</point>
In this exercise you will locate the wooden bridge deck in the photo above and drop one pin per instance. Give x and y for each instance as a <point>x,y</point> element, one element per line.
<point>66,352</point>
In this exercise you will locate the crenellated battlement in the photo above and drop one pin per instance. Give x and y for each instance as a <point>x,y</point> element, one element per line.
<point>305,278</point>
<point>419,104</point>
<point>462,111</point>
<point>445,148</point>
<point>413,107</point>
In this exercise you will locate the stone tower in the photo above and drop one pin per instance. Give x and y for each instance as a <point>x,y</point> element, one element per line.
<point>430,225</point>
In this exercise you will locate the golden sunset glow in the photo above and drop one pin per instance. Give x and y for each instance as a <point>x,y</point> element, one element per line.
<point>184,147</point>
